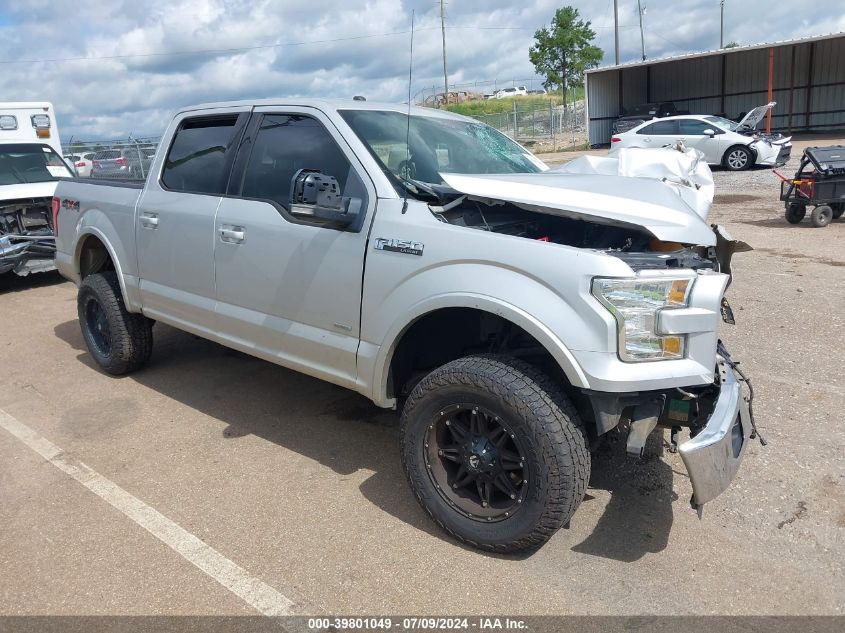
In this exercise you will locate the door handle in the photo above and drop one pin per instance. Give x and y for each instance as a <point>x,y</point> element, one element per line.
<point>149,220</point>
<point>231,234</point>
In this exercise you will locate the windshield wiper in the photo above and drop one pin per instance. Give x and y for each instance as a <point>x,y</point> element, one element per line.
<point>422,186</point>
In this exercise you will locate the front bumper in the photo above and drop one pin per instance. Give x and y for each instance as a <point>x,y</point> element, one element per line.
<point>712,457</point>
<point>772,154</point>
<point>784,155</point>
<point>25,254</point>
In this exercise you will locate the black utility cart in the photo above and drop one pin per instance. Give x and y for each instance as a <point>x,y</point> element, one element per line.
<point>819,182</point>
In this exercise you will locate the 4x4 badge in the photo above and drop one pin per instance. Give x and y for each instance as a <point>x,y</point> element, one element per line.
<point>408,247</point>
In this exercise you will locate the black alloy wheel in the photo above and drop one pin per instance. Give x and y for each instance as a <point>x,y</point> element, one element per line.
<point>119,341</point>
<point>476,463</point>
<point>494,452</point>
<point>97,324</point>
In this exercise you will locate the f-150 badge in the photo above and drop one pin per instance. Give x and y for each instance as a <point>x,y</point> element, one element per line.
<point>408,247</point>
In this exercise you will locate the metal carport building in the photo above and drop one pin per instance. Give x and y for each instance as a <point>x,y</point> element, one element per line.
<point>805,76</point>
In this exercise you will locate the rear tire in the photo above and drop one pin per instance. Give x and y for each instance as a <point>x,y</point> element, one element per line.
<point>119,341</point>
<point>509,428</point>
<point>821,216</point>
<point>738,158</point>
<point>795,213</point>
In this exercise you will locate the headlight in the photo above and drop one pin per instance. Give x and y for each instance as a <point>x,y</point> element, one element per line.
<point>635,303</point>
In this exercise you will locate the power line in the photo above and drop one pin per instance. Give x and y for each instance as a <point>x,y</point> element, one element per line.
<point>245,49</point>
<point>208,51</point>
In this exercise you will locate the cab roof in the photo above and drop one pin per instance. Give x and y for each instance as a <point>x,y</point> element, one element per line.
<point>327,104</point>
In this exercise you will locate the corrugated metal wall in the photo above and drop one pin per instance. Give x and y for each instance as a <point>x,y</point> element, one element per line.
<point>696,85</point>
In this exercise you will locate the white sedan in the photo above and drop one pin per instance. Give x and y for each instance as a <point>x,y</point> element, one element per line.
<point>734,145</point>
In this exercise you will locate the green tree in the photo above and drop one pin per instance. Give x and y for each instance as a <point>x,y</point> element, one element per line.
<point>731,45</point>
<point>564,50</point>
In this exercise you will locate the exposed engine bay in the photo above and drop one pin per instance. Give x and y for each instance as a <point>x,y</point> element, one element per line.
<point>647,207</point>
<point>763,136</point>
<point>637,248</point>
<point>27,243</point>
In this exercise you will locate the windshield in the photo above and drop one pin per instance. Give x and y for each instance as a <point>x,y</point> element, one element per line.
<point>723,123</point>
<point>28,162</point>
<point>437,145</point>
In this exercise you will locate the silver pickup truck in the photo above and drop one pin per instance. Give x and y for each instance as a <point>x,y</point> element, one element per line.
<point>513,313</point>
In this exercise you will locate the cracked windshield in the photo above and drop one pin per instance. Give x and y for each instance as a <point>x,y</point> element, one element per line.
<point>436,146</point>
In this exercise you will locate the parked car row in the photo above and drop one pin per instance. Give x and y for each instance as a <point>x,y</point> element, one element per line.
<point>113,163</point>
<point>82,163</point>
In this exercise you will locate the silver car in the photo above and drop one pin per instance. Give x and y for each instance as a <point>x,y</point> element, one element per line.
<point>735,146</point>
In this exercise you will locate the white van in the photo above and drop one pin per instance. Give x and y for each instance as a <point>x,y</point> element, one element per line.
<point>31,164</point>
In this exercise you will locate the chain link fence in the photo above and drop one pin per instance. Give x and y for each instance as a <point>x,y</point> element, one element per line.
<point>119,158</point>
<point>550,125</point>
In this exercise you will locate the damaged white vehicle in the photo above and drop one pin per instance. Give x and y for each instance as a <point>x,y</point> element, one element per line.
<point>28,176</point>
<point>514,314</point>
<point>30,165</point>
<point>735,146</point>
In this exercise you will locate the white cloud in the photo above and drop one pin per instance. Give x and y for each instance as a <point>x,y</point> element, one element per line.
<point>102,98</point>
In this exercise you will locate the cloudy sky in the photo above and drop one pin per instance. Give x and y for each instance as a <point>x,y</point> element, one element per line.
<point>120,67</point>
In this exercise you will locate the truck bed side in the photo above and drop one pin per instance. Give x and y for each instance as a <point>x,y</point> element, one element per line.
<point>96,215</point>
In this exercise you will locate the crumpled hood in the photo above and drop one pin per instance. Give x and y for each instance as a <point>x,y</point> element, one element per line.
<point>605,199</point>
<point>28,190</point>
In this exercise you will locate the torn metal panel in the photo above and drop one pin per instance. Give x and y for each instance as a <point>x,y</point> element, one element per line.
<point>659,207</point>
<point>27,243</point>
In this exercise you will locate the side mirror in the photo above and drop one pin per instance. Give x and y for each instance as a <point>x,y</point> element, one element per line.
<point>316,196</point>
<point>710,132</point>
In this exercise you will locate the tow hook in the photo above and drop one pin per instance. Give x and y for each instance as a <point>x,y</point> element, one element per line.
<point>673,445</point>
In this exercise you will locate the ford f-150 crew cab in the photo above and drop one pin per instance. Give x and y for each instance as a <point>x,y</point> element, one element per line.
<point>514,313</point>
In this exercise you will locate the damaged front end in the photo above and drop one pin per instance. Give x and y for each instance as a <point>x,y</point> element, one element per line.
<point>648,208</point>
<point>718,419</point>
<point>27,242</point>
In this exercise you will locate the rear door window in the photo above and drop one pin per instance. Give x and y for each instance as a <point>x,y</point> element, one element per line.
<point>693,127</point>
<point>196,162</point>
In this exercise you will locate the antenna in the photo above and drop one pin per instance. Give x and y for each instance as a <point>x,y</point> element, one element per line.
<point>408,129</point>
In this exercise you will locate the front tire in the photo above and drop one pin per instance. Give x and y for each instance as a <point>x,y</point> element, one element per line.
<point>494,452</point>
<point>119,341</point>
<point>738,158</point>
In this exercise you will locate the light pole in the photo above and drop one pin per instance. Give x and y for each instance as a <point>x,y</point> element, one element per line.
<point>445,76</point>
<point>616,29</point>
<point>641,11</point>
<point>722,24</point>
